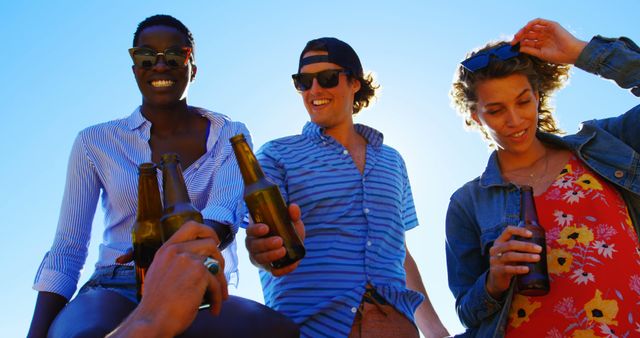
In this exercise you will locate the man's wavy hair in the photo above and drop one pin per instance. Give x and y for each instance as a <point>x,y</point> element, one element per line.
<point>544,77</point>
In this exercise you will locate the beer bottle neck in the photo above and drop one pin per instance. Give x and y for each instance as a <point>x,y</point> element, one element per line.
<point>247,161</point>
<point>149,204</point>
<point>528,211</point>
<point>173,186</point>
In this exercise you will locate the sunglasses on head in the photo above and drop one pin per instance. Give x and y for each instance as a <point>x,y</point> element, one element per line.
<point>174,57</point>
<point>326,79</point>
<point>482,59</point>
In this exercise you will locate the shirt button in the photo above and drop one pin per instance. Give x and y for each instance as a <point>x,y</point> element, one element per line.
<point>368,243</point>
<point>324,143</point>
<point>346,152</point>
<point>366,210</point>
<point>354,310</point>
<point>618,174</point>
<point>197,165</point>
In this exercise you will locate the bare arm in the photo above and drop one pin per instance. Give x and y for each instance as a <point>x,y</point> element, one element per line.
<point>426,317</point>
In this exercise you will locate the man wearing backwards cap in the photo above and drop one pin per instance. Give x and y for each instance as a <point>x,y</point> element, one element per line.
<point>357,278</point>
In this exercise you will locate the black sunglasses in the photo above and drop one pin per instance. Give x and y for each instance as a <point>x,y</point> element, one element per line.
<point>326,79</point>
<point>482,59</point>
<point>146,58</point>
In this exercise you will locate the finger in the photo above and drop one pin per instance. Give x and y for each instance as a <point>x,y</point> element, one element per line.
<point>126,257</point>
<point>205,247</point>
<point>285,270</point>
<point>257,230</point>
<point>261,245</point>
<point>266,258</point>
<point>506,271</point>
<point>192,230</point>
<point>295,214</point>
<point>214,293</point>
<point>220,276</point>
<point>515,258</point>
<point>511,231</point>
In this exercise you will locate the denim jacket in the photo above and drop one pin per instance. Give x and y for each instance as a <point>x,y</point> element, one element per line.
<point>481,209</point>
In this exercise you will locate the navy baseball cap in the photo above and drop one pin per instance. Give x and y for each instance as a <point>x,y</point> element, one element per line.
<point>339,52</point>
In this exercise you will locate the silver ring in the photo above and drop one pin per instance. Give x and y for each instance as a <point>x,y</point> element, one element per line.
<point>212,265</point>
<point>499,254</point>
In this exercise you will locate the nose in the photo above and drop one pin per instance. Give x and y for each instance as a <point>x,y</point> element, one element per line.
<point>513,117</point>
<point>315,86</point>
<point>160,65</point>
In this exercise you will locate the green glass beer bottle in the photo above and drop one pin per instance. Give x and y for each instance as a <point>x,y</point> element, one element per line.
<point>146,234</point>
<point>536,281</point>
<point>265,202</point>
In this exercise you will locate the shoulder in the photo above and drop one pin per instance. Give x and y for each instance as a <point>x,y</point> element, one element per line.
<point>224,121</point>
<point>467,192</point>
<point>101,131</point>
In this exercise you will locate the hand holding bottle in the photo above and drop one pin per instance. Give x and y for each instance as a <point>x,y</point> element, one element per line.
<point>175,284</point>
<point>506,258</point>
<point>265,250</point>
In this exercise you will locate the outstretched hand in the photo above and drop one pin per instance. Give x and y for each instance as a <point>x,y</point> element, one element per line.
<point>549,41</point>
<point>265,250</point>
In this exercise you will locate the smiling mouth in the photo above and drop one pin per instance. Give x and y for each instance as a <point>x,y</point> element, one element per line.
<point>162,83</point>
<point>518,134</point>
<point>320,102</point>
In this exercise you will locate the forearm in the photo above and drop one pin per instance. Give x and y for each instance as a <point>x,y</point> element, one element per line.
<point>614,59</point>
<point>48,305</point>
<point>427,319</point>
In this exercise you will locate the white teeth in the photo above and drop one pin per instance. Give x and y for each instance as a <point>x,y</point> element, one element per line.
<point>162,83</point>
<point>319,102</point>
<point>518,134</point>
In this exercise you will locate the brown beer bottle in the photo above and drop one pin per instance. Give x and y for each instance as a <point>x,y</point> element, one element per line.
<point>177,205</point>
<point>536,281</point>
<point>265,202</point>
<point>146,234</point>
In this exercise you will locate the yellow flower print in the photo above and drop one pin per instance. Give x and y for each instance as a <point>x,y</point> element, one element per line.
<point>584,334</point>
<point>521,309</point>
<point>601,310</point>
<point>566,170</point>
<point>588,182</point>
<point>569,236</point>
<point>559,261</point>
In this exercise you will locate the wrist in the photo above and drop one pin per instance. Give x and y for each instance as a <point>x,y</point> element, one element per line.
<point>140,325</point>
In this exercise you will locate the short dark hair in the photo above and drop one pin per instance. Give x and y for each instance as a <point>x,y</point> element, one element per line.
<point>168,21</point>
<point>367,91</point>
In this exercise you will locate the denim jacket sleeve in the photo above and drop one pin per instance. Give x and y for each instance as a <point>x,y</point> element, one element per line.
<point>617,60</point>
<point>467,267</point>
<point>613,59</point>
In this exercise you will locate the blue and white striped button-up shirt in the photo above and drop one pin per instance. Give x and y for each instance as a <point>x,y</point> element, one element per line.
<point>103,163</point>
<point>355,225</point>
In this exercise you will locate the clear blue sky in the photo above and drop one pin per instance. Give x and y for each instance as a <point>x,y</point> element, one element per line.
<point>66,67</point>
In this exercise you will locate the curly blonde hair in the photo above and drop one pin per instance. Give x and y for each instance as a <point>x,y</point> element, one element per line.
<point>544,77</point>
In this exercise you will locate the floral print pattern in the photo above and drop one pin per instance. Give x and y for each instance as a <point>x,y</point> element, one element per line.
<point>593,258</point>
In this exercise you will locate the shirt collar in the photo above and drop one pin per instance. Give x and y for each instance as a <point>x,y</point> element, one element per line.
<point>373,137</point>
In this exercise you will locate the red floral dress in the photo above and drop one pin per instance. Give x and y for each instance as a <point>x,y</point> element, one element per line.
<point>593,259</point>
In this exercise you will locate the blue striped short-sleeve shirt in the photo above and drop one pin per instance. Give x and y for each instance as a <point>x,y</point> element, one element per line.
<point>354,223</point>
<point>103,164</point>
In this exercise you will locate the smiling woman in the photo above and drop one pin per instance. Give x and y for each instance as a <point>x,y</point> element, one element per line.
<point>584,198</point>
<point>103,164</point>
